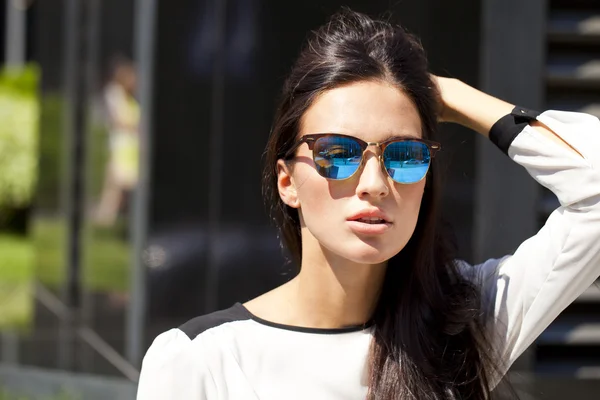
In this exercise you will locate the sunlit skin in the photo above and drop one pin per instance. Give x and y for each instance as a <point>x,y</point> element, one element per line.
<point>342,268</point>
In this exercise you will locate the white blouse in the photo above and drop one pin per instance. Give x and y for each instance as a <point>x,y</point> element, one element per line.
<point>232,354</point>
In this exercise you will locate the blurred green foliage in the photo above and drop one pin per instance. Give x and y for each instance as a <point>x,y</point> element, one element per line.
<point>19,113</point>
<point>106,253</point>
<point>19,116</point>
<point>106,257</point>
<point>106,267</point>
<point>16,285</point>
<point>62,395</point>
<point>51,155</point>
<point>39,254</point>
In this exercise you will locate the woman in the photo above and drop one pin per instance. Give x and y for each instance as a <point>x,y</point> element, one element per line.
<point>123,114</point>
<point>380,309</point>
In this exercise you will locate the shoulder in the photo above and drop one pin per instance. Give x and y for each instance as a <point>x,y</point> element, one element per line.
<point>179,362</point>
<point>176,367</point>
<point>201,324</point>
<point>187,338</point>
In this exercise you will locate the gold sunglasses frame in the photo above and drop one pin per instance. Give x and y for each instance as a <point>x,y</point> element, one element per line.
<point>311,140</point>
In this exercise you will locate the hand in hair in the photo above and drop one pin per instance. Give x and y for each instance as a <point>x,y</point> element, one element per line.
<point>467,106</point>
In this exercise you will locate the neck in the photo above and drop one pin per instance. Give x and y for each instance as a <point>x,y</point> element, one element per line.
<point>332,292</point>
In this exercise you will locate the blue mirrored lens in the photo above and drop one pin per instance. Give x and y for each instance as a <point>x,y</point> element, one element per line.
<point>407,162</point>
<point>337,157</point>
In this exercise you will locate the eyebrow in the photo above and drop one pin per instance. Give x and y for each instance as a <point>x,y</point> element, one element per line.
<point>390,136</point>
<point>403,136</point>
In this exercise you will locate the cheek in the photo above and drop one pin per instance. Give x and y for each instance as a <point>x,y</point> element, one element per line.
<point>313,193</point>
<point>408,200</point>
<point>409,194</point>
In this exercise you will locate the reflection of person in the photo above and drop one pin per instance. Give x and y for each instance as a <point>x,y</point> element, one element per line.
<point>380,309</point>
<point>122,120</point>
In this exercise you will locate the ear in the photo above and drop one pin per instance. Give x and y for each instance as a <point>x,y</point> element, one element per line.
<point>286,185</point>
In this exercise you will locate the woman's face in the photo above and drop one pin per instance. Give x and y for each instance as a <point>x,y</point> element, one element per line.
<point>329,209</point>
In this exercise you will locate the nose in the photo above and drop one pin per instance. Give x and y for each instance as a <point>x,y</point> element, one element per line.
<point>373,180</point>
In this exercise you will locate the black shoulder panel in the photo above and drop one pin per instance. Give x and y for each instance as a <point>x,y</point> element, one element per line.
<point>196,326</point>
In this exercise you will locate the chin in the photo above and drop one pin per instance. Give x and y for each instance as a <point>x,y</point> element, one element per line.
<point>365,253</point>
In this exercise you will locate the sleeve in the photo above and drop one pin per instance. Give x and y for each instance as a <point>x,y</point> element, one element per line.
<point>174,368</point>
<point>526,291</point>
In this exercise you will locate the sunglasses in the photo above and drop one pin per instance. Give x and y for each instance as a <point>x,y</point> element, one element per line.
<point>338,156</point>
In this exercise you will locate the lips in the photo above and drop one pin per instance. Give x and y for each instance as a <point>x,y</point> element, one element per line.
<point>370,216</point>
<point>369,222</point>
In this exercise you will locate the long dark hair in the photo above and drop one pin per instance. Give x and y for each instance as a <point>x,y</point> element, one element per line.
<point>428,340</point>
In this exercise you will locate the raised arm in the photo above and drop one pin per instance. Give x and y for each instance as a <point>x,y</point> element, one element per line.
<point>467,106</point>
<point>526,291</point>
